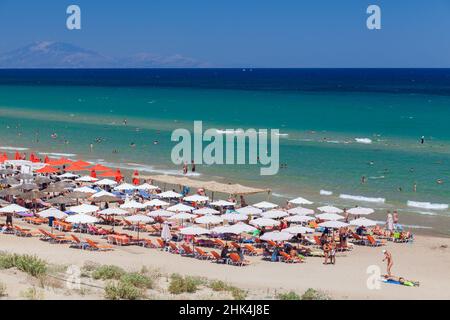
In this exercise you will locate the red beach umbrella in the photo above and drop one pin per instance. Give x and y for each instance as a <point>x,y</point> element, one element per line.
<point>17,156</point>
<point>99,167</point>
<point>93,174</point>
<point>81,163</point>
<point>73,168</point>
<point>47,169</point>
<point>136,178</point>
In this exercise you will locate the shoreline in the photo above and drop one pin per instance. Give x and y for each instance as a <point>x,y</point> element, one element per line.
<point>418,223</point>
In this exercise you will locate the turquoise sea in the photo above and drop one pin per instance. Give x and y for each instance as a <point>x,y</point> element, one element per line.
<point>337,126</point>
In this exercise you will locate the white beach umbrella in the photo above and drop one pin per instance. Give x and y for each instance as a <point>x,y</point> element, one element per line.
<point>249,210</point>
<point>222,203</point>
<point>196,198</point>
<point>298,229</point>
<point>103,193</point>
<point>146,186</point>
<point>276,236</point>
<point>360,211</point>
<point>330,209</point>
<point>84,208</point>
<point>274,214</point>
<point>161,213</point>
<point>237,228</point>
<point>13,208</point>
<point>363,222</point>
<point>114,212</point>
<point>86,179</point>
<point>81,218</point>
<point>182,216</point>
<point>132,204</point>
<point>68,175</point>
<point>242,228</point>
<point>265,205</point>
<point>299,219</point>
<point>156,203</point>
<point>179,207</point>
<point>329,216</point>
<point>333,224</point>
<point>264,222</point>
<point>209,219</point>
<point>223,229</point>
<point>206,211</point>
<point>233,217</point>
<point>140,218</point>
<point>194,231</point>
<point>106,182</point>
<point>125,186</point>
<point>300,211</point>
<point>300,201</point>
<point>85,190</point>
<point>169,195</point>
<point>52,212</point>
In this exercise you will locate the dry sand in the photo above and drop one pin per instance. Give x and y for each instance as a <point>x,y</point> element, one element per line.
<point>426,260</point>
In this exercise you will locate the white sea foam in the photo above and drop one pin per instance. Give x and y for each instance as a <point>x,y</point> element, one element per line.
<point>363,140</point>
<point>362,198</point>
<point>13,148</point>
<point>147,168</point>
<point>279,195</point>
<point>326,193</point>
<point>56,154</point>
<point>376,178</point>
<point>427,205</point>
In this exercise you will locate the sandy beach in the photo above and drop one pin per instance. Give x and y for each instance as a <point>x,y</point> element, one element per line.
<point>426,260</point>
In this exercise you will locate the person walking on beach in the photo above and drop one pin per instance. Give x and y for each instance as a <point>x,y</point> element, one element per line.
<point>389,261</point>
<point>185,168</point>
<point>192,166</point>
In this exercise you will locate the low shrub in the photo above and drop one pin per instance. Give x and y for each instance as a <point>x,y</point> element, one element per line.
<point>108,272</point>
<point>122,290</point>
<point>291,295</point>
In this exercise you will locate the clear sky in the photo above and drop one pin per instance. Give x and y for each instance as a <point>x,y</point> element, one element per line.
<point>238,33</point>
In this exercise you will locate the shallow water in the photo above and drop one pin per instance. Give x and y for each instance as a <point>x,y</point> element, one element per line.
<point>336,127</point>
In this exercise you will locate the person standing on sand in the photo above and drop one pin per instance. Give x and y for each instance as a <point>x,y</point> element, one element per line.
<point>389,222</point>
<point>395,217</point>
<point>192,166</point>
<point>185,168</point>
<point>389,261</point>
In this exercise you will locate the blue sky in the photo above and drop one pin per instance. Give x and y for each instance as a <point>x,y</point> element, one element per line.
<point>238,33</point>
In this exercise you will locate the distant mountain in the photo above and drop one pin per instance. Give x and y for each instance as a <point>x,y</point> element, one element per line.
<point>48,54</point>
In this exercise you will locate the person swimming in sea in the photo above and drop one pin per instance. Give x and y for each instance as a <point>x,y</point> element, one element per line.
<point>132,144</point>
<point>363,179</point>
<point>422,140</point>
